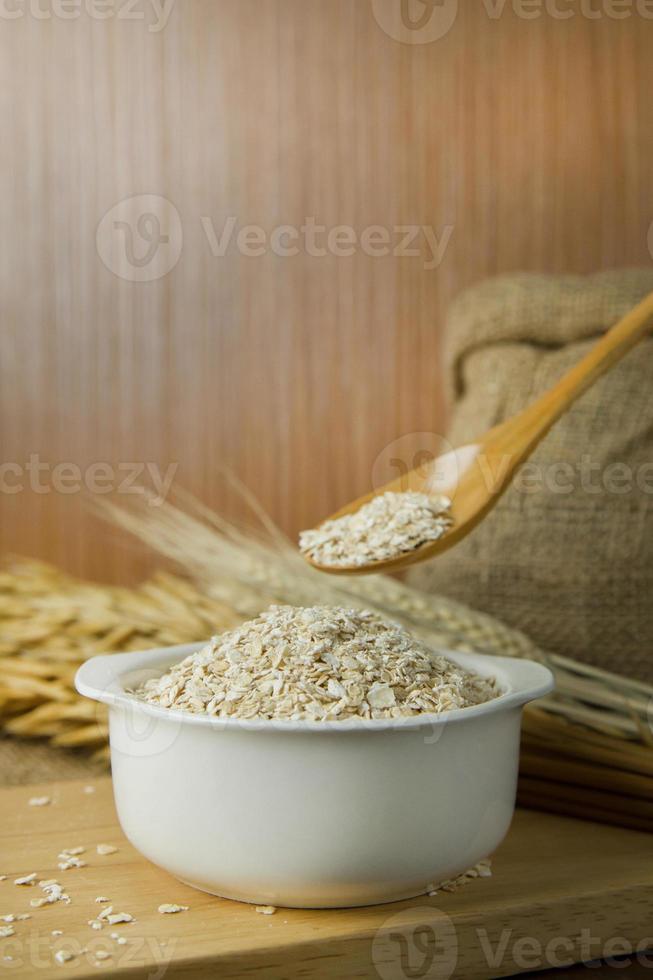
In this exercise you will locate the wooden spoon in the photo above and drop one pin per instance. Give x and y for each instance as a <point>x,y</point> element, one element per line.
<point>475,476</point>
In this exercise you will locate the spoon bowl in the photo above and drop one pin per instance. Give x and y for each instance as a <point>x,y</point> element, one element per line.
<point>475,476</point>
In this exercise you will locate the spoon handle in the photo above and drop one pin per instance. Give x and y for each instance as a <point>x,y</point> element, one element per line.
<point>536,420</point>
<point>606,352</point>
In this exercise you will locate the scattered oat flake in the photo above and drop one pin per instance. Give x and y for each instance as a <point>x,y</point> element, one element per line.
<point>481,870</point>
<point>105,912</point>
<point>101,899</point>
<point>6,931</point>
<point>52,892</point>
<point>57,932</point>
<point>63,956</point>
<point>68,860</point>
<point>266,909</point>
<point>89,789</point>
<point>106,849</point>
<point>95,923</point>
<point>72,850</point>
<point>117,917</point>
<point>102,954</point>
<point>3,877</point>
<point>40,801</point>
<point>121,940</point>
<point>26,879</point>
<point>168,909</point>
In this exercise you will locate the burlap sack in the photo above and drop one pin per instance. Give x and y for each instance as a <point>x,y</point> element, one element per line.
<point>567,554</point>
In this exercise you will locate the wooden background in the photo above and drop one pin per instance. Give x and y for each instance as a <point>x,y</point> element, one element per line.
<point>532,138</point>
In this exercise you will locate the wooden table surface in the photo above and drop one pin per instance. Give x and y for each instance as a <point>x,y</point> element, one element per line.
<point>561,890</point>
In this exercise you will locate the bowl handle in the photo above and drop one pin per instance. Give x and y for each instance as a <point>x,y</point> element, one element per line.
<point>528,678</point>
<point>99,677</point>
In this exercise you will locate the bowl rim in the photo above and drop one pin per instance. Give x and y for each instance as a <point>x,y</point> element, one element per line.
<point>102,678</point>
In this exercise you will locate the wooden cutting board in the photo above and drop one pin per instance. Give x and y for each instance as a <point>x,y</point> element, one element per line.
<point>561,890</point>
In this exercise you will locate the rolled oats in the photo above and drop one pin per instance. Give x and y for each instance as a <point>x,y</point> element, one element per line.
<point>321,663</point>
<point>386,527</point>
<point>116,917</point>
<point>26,879</point>
<point>68,859</point>
<point>481,870</point>
<point>40,801</point>
<point>64,956</point>
<point>52,892</point>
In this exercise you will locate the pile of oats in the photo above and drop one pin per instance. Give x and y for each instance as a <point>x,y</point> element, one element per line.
<point>322,663</point>
<point>388,526</point>
<point>481,870</point>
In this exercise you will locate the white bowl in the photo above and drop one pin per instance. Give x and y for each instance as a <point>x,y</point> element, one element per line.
<point>313,814</point>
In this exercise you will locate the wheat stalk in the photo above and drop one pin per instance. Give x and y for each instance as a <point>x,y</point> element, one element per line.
<point>52,623</point>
